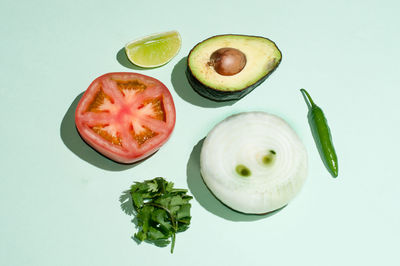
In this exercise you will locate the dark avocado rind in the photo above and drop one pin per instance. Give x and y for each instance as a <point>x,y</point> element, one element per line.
<point>228,95</point>
<point>218,95</point>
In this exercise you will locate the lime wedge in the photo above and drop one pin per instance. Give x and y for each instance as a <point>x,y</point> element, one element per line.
<point>154,50</point>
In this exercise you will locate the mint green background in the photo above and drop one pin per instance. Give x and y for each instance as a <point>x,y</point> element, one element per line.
<point>59,200</point>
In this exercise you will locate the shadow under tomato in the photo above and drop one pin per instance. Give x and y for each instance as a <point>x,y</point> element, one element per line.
<point>71,138</point>
<point>206,199</point>
<point>186,92</point>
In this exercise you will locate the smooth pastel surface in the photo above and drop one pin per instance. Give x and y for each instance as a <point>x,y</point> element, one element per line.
<point>59,199</point>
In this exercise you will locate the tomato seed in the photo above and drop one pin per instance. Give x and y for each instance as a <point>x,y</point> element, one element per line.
<point>107,136</point>
<point>145,135</point>
<point>158,108</point>
<point>130,85</point>
<point>98,101</point>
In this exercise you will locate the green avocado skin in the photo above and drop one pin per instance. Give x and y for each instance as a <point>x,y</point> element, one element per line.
<point>221,96</point>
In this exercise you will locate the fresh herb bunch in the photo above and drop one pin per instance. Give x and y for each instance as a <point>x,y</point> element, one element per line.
<point>161,211</point>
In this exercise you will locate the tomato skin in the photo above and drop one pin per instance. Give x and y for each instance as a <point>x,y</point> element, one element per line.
<point>126,116</point>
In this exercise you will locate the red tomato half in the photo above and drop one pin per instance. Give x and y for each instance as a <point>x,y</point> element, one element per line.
<point>125,116</point>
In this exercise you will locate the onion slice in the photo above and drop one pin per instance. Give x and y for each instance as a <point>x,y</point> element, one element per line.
<point>253,162</point>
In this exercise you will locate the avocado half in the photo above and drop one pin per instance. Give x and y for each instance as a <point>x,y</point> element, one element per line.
<point>262,57</point>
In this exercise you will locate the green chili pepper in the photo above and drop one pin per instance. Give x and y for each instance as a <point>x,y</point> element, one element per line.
<point>322,135</point>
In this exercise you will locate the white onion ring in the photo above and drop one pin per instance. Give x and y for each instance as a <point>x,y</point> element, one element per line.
<point>245,139</point>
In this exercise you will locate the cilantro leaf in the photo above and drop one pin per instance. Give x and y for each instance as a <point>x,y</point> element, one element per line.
<point>153,186</point>
<point>161,211</point>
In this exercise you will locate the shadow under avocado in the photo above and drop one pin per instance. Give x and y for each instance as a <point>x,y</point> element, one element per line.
<point>71,138</point>
<point>124,61</point>
<point>186,92</point>
<point>204,196</point>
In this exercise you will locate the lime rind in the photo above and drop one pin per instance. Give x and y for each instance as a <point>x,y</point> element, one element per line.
<point>154,50</point>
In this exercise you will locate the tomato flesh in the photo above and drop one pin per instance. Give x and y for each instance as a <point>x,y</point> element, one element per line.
<point>126,116</point>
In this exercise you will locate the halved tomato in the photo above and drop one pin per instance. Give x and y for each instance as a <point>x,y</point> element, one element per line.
<point>125,116</point>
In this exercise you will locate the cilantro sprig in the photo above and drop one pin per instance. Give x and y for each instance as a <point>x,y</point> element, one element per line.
<point>161,211</point>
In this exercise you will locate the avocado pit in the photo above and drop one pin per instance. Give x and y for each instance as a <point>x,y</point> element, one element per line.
<point>227,61</point>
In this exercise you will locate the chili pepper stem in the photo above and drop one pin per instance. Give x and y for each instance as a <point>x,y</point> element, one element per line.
<point>308,97</point>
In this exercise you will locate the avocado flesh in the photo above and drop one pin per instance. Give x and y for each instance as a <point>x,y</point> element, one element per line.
<point>262,56</point>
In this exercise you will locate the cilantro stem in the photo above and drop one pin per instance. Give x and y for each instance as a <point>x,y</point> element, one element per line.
<point>163,188</point>
<point>173,243</point>
<point>178,190</point>
<point>173,221</point>
<point>174,225</point>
